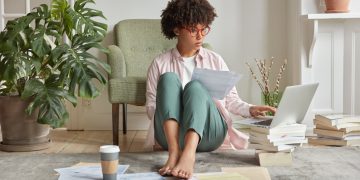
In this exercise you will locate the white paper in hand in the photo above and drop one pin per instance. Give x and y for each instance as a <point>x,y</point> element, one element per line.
<point>218,83</point>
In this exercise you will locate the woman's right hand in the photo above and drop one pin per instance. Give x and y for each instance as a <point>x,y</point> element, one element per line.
<point>256,111</point>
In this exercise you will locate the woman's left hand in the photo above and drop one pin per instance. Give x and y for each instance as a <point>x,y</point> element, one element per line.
<point>261,110</point>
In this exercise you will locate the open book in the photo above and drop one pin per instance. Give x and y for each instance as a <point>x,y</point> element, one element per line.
<point>218,83</point>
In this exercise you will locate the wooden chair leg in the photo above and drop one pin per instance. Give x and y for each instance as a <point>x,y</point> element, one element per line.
<point>124,117</point>
<point>115,123</point>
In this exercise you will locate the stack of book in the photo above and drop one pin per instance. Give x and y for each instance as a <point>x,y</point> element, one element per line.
<point>279,139</point>
<point>336,130</point>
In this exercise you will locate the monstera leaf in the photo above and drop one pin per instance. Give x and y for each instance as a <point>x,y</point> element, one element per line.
<point>81,67</point>
<point>82,17</point>
<point>48,98</point>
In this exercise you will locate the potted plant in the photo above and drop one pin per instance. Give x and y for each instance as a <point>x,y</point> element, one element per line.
<point>270,93</point>
<point>337,6</point>
<point>44,60</point>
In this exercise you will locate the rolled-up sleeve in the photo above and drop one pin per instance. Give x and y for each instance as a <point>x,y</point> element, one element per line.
<point>235,105</point>
<point>151,85</point>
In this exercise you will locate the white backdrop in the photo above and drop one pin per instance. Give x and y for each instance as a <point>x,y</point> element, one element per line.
<point>243,30</point>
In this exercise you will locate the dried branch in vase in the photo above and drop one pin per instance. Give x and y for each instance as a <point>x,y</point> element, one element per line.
<point>270,93</point>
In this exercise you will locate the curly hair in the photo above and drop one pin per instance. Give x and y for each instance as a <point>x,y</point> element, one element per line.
<point>183,13</point>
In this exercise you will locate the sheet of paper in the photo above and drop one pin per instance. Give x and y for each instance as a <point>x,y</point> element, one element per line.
<point>222,176</point>
<point>144,176</point>
<point>86,164</point>
<point>85,172</point>
<point>252,173</point>
<point>218,83</point>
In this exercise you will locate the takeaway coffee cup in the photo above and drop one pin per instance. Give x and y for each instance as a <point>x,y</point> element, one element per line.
<point>109,161</point>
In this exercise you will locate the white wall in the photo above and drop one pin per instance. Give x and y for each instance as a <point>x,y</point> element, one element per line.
<point>263,35</point>
<point>243,30</point>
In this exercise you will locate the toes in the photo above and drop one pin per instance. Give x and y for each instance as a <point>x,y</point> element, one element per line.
<point>186,175</point>
<point>182,174</point>
<point>168,172</point>
<point>175,172</point>
<point>163,170</point>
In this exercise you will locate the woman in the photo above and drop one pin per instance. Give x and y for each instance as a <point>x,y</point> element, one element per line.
<point>185,118</point>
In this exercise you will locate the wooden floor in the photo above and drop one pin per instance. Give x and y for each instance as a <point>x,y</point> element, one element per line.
<point>64,141</point>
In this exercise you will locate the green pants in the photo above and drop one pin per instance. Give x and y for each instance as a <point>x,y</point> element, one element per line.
<point>192,108</point>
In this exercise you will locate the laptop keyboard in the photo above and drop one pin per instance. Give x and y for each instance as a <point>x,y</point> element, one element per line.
<point>264,123</point>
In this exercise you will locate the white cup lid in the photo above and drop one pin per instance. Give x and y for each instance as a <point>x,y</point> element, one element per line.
<point>109,149</point>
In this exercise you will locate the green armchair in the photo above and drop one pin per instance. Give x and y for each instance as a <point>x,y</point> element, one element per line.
<point>138,42</point>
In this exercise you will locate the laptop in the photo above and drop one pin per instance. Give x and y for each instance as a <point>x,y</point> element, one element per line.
<point>292,108</point>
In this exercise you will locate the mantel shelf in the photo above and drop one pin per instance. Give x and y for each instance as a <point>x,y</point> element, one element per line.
<point>334,16</point>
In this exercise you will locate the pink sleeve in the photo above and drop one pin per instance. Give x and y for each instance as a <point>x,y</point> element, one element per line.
<point>151,85</point>
<point>233,103</point>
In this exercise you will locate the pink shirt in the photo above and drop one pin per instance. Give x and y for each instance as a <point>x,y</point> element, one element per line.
<point>171,61</point>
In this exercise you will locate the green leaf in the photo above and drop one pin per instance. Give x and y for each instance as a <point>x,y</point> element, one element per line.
<point>58,8</point>
<point>72,99</point>
<point>18,25</point>
<point>93,72</point>
<point>87,89</point>
<point>75,76</point>
<point>34,104</point>
<point>83,19</point>
<point>32,87</point>
<point>57,52</point>
<point>10,71</point>
<point>37,65</point>
<point>91,59</point>
<point>39,45</point>
<point>55,117</point>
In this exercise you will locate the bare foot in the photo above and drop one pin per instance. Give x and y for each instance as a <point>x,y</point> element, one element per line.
<point>185,167</point>
<point>170,164</point>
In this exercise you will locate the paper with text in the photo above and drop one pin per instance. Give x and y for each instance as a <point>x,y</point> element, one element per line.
<point>85,172</point>
<point>218,83</point>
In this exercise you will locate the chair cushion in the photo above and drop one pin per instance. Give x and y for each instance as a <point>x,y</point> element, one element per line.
<point>140,41</point>
<point>129,90</point>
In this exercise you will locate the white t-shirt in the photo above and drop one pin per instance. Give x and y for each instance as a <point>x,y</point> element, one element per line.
<point>189,66</point>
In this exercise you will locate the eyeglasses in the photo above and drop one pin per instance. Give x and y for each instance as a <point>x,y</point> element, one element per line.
<point>195,31</point>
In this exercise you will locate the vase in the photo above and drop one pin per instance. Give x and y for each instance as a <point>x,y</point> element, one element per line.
<point>271,99</point>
